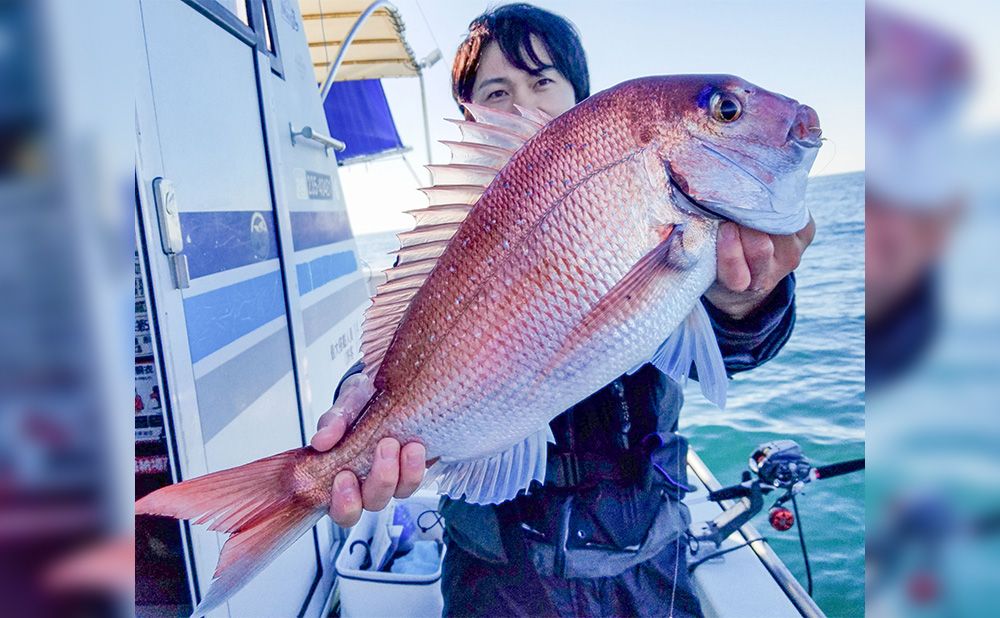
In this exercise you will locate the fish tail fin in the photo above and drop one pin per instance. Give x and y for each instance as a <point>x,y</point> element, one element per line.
<point>259,504</point>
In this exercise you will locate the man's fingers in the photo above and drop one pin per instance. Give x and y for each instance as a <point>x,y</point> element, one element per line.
<point>787,253</point>
<point>412,463</point>
<point>806,234</point>
<point>788,250</point>
<point>758,248</point>
<point>733,272</point>
<point>345,503</point>
<point>329,434</point>
<point>381,483</point>
<point>354,394</point>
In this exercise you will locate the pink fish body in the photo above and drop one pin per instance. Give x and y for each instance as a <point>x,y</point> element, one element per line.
<point>551,260</point>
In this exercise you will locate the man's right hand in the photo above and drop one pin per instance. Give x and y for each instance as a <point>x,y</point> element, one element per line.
<point>395,472</point>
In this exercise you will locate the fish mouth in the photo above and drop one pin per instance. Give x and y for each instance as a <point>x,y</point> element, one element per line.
<point>692,205</point>
<point>811,142</point>
<point>805,130</point>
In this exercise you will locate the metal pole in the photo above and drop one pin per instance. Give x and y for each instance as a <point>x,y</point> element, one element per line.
<point>429,61</point>
<point>325,90</point>
<point>427,128</point>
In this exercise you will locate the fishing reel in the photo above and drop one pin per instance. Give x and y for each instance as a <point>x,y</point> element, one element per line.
<point>780,466</point>
<point>776,466</point>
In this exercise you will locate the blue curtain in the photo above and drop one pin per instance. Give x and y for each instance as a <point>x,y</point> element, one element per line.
<point>358,114</point>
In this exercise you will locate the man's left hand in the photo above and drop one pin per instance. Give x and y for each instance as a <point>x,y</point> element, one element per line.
<point>751,264</point>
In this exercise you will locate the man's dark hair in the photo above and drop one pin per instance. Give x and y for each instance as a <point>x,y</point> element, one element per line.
<point>511,26</point>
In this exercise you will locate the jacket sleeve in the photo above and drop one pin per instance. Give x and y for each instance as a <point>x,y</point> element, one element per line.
<point>357,367</point>
<point>757,338</point>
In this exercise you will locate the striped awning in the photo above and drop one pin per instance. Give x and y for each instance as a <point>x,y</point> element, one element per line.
<point>378,49</point>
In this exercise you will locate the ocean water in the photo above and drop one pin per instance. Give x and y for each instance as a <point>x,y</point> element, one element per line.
<point>812,392</point>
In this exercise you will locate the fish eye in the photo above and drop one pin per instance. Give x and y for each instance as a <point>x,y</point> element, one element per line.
<point>725,107</point>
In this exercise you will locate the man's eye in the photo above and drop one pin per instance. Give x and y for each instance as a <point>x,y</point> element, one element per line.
<point>496,94</point>
<point>545,81</point>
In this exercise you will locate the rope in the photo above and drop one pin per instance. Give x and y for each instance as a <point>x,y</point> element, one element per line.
<point>322,29</point>
<point>426,23</point>
<point>438,520</point>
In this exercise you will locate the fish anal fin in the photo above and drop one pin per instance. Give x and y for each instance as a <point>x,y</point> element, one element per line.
<point>497,478</point>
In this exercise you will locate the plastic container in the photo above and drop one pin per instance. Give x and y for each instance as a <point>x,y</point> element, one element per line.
<point>377,594</point>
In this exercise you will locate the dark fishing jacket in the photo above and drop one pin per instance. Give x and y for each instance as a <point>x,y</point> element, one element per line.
<point>616,472</point>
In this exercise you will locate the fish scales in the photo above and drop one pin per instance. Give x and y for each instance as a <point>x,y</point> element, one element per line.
<point>552,234</point>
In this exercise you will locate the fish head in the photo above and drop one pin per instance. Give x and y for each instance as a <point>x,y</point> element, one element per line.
<point>738,151</point>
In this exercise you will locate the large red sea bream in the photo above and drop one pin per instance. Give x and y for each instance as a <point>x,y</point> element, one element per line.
<point>551,260</point>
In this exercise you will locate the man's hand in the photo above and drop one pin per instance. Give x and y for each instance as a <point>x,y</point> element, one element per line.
<point>395,471</point>
<point>751,264</point>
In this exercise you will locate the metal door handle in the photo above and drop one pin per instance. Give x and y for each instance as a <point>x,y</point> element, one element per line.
<point>326,141</point>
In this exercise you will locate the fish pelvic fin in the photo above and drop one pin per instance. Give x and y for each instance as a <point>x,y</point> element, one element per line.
<point>694,343</point>
<point>257,504</point>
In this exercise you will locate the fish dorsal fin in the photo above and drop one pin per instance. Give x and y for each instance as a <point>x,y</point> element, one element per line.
<point>497,478</point>
<point>536,116</point>
<point>487,144</point>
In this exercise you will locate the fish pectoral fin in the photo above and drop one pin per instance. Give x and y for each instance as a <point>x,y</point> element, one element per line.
<point>694,342</point>
<point>620,301</point>
<point>497,478</point>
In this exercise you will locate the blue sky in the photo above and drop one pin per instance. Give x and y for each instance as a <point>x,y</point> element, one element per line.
<point>812,51</point>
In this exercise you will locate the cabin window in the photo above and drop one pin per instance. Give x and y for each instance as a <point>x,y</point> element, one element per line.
<point>269,36</point>
<point>268,41</point>
<point>237,8</point>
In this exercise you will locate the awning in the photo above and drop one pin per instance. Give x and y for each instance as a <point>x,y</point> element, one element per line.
<point>378,49</point>
<point>358,114</point>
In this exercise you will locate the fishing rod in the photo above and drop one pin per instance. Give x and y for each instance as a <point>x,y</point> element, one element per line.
<point>777,466</point>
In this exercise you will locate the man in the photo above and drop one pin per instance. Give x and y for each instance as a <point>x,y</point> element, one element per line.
<point>603,536</point>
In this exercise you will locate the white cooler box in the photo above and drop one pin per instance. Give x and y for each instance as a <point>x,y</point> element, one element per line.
<point>378,594</point>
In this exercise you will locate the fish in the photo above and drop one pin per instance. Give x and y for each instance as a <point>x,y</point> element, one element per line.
<point>556,254</point>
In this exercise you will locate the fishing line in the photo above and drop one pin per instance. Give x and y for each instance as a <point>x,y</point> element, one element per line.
<point>832,157</point>
<point>722,552</point>
<point>677,543</point>
<point>802,543</point>
<point>413,172</point>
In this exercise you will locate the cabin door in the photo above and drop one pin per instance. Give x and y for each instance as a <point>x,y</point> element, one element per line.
<point>208,234</point>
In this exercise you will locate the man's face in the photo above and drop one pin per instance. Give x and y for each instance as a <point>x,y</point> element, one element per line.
<point>501,85</point>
